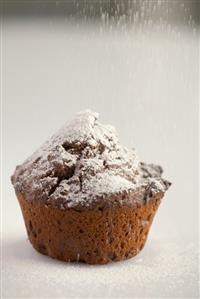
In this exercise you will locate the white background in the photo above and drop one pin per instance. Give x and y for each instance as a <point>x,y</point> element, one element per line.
<point>146,84</point>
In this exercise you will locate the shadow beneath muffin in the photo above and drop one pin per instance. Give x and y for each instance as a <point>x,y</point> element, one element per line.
<point>21,249</point>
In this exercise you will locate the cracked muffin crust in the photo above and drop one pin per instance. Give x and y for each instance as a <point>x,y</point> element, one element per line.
<point>84,176</point>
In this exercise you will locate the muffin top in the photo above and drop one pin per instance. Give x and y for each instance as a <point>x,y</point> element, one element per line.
<point>84,165</point>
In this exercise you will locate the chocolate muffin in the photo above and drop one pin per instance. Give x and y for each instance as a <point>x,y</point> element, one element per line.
<point>85,197</point>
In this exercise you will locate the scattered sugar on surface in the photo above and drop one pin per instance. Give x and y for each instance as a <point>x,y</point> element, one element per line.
<point>164,267</point>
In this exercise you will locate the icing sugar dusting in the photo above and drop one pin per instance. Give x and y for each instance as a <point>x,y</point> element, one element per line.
<point>82,161</point>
